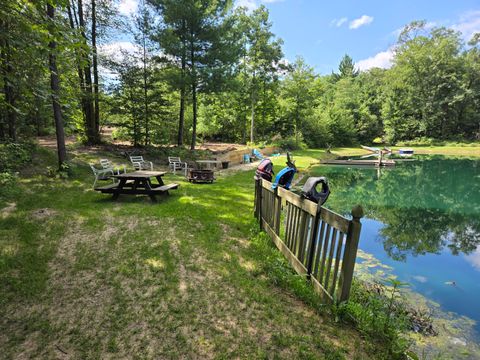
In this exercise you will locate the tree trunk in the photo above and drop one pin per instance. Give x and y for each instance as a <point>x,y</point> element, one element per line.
<point>54,84</point>
<point>194,96</point>
<point>194,124</point>
<point>74,24</point>
<point>297,121</point>
<point>11,112</point>
<point>252,120</point>
<point>9,91</point>
<point>253,100</point>
<point>181,120</point>
<point>38,118</point>
<point>182,103</point>
<point>145,91</point>
<point>92,135</point>
<point>95,72</point>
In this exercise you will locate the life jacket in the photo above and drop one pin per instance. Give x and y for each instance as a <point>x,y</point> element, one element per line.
<point>264,170</point>
<point>310,192</point>
<point>284,178</point>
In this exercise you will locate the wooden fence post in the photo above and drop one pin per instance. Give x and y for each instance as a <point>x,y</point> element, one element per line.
<point>311,248</point>
<point>278,211</point>
<point>256,209</point>
<point>259,202</point>
<point>350,254</point>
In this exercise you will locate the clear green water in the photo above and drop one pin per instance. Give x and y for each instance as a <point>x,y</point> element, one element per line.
<point>423,219</point>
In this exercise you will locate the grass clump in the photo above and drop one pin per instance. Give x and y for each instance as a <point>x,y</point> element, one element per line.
<point>379,311</point>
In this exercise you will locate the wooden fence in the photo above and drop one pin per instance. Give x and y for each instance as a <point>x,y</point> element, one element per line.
<point>316,241</point>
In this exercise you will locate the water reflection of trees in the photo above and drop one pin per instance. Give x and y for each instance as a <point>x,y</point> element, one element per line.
<point>425,205</point>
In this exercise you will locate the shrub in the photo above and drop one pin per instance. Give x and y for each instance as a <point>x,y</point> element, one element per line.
<point>120,134</point>
<point>290,143</point>
<point>421,141</point>
<point>14,155</point>
<point>8,187</point>
<point>380,311</point>
<point>258,145</point>
<point>64,172</point>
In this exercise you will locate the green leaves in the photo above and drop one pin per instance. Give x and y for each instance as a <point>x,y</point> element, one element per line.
<point>426,86</point>
<point>346,68</point>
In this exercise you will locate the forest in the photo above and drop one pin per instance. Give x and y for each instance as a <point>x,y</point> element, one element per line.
<point>207,70</point>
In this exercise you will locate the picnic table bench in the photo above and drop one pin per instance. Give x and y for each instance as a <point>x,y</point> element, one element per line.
<point>138,183</point>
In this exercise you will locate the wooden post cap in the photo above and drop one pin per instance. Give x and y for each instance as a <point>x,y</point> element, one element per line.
<point>357,211</point>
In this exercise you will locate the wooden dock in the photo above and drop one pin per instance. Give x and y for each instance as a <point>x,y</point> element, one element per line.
<point>360,162</point>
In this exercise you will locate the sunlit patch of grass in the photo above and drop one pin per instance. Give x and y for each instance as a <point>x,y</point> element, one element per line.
<point>9,249</point>
<point>472,150</point>
<point>157,264</point>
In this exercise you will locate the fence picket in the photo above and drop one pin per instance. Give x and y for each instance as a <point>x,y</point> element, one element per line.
<point>318,250</point>
<point>296,211</point>
<point>337,263</point>
<point>316,241</point>
<point>324,253</point>
<point>278,212</point>
<point>330,257</point>
<point>305,222</point>
<point>288,230</point>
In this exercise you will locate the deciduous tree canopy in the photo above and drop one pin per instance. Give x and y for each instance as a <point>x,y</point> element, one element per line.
<point>202,69</point>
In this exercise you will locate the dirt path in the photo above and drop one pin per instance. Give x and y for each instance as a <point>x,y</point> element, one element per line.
<point>50,142</point>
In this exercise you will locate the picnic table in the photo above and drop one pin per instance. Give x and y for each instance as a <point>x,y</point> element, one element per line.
<point>138,183</point>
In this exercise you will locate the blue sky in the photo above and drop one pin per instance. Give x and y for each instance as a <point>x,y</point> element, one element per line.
<point>323,31</point>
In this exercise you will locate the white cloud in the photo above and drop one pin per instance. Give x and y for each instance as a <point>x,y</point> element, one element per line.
<point>381,60</point>
<point>361,21</point>
<point>420,278</point>
<point>249,4</point>
<point>127,7</point>
<point>115,50</point>
<point>253,4</point>
<point>117,46</point>
<point>474,258</point>
<point>469,24</point>
<point>338,22</point>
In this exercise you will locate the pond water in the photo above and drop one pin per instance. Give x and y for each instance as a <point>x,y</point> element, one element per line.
<point>422,218</point>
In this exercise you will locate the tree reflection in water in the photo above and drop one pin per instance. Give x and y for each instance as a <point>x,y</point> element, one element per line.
<point>425,205</point>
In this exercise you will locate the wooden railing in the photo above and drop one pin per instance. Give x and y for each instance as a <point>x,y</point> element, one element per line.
<point>317,242</point>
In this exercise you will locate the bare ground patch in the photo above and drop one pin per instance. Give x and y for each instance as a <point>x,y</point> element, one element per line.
<point>142,287</point>
<point>41,214</point>
<point>84,276</point>
<point>8,210</point>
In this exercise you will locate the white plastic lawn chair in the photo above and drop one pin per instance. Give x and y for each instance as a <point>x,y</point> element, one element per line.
<point>102,174</point>
<point>174,163</point>
<point>107,164</point>
<point>140,164</point>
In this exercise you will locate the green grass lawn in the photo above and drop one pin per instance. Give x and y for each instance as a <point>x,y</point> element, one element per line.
<point>465,150</point>
<point>82,276</point>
